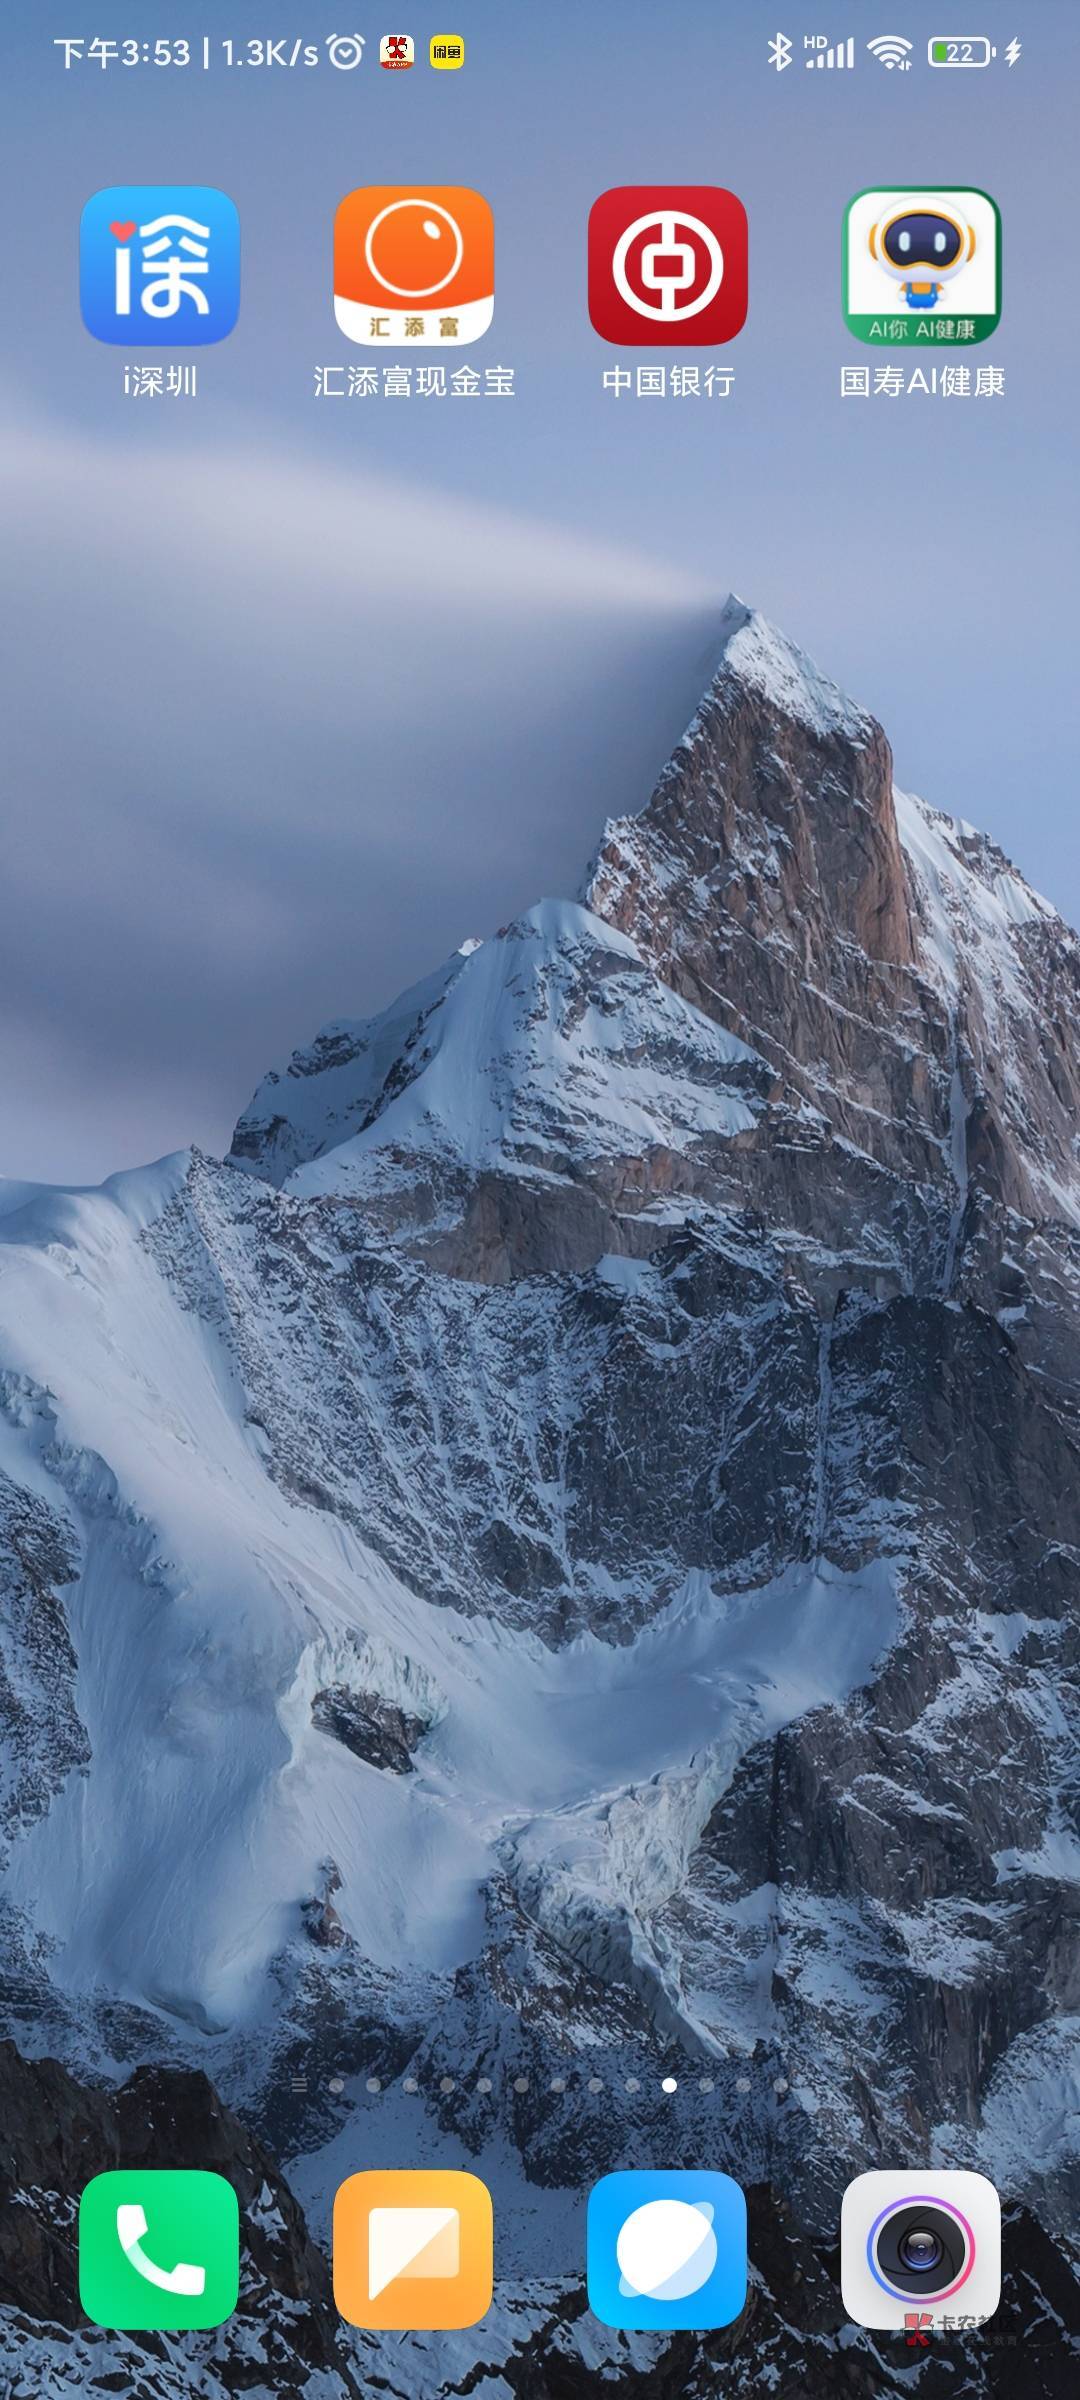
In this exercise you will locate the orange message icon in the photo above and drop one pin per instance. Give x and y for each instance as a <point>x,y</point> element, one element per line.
<point>413,2251</point>
<point>414,264</point>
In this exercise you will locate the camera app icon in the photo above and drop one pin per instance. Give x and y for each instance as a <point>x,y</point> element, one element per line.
<point>920,2245</point>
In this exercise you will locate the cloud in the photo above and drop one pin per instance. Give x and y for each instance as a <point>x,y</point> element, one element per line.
<point>280,735</point>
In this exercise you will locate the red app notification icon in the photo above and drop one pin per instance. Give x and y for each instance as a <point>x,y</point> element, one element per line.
<point>668,264</point>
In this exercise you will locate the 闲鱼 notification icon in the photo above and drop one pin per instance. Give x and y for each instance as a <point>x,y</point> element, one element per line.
<point>668,264</point>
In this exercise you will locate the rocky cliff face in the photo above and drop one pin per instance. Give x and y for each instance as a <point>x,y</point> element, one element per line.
<point>887,959</point>
<point>578,1520</point>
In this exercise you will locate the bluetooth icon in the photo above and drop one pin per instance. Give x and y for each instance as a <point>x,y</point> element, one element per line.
<point>780,52</point>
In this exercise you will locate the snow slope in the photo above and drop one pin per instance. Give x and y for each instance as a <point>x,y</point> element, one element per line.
<point>209,1610</point>
<point>549,1044</point>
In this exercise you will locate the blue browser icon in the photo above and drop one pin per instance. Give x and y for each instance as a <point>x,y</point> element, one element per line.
<point>159,263</point>
<point>667,2251</point>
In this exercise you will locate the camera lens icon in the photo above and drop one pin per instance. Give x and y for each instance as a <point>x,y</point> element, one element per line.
<point>912,2240</point>
<point>920,2249</point>
<point>921,2246</point>
<point>393,247</point>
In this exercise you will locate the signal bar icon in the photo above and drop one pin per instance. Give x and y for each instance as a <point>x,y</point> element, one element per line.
<point>839,54</point>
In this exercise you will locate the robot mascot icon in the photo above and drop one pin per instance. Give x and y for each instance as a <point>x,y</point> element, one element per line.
<point>922,248</point>
<point>922,265</point>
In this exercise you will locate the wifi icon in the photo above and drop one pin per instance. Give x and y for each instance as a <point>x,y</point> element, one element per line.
<point>892,51</point>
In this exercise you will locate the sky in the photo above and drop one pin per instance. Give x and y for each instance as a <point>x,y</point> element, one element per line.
<point>297,694</point>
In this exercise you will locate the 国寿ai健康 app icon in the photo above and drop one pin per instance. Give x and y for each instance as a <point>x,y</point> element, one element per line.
<point>922,265</point>
<point>159,263</point>
<point>666,2251</point>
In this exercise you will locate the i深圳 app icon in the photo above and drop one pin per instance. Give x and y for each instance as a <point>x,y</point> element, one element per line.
<point>159,262</point>
<point>666,2251</point>
<point>922,264</point>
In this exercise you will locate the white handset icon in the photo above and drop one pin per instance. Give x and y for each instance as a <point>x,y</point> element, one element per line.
<point>131,2226</point>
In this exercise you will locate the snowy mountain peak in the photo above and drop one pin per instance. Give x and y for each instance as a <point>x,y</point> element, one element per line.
<point>328,1090</point>
<point>355,1076</point>
<point>780,794</point>
<point>889,989</point>
<point>755,653</point>
<point>555,1057</point>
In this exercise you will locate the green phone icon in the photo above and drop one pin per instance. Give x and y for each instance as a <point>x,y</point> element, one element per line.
<point>159,2249</point>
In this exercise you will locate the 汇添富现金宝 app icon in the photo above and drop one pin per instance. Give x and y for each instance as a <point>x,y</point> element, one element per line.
<point>414,264</point>
<point>159,263</point>
<point>922,265</point>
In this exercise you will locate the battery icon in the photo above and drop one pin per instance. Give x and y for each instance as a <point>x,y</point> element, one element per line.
<point>960,50</point>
